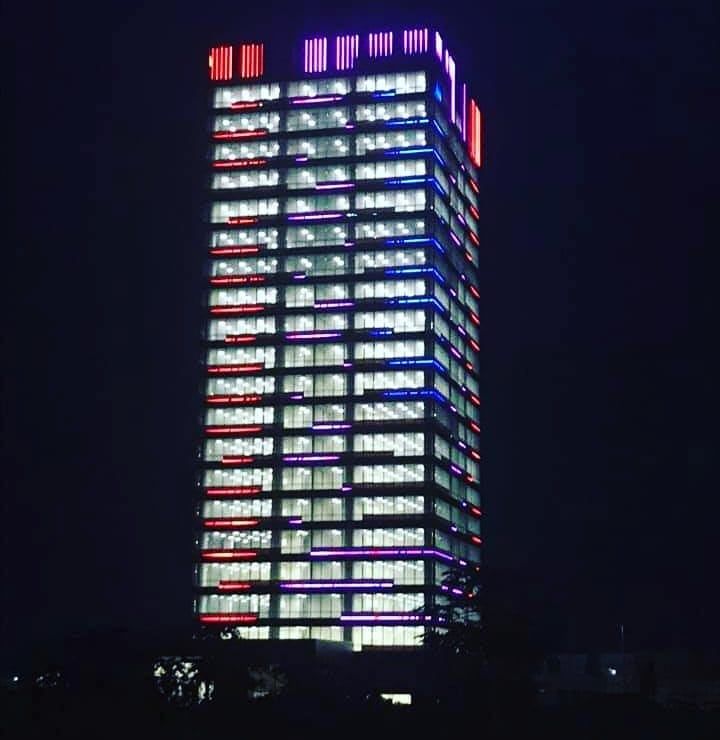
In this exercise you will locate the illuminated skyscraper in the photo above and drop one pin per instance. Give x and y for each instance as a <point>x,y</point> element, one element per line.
<point>340,473</point>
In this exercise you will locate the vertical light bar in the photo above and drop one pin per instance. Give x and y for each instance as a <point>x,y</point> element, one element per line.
<point>425,40</point>
<point>251,60</point>
<point>220,62</point>
<point>346,51</point>
<point>438,46</point>
<point>463,117</point>
<point>475,134</point>
<point>450,69</point>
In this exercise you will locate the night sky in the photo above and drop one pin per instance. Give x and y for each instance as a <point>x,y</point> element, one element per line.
<point>600,495</point>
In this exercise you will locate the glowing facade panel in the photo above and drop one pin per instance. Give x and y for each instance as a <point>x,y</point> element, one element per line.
<point>252,60</point>
<point>220,63</point>
<point>339,455</point>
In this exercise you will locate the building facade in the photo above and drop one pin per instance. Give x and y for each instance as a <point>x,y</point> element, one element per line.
<point>340,463</point>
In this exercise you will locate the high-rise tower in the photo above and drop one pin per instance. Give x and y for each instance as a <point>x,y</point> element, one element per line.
<point>340,474</point>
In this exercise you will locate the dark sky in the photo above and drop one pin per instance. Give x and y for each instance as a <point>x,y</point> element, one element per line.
<point>600,502</point>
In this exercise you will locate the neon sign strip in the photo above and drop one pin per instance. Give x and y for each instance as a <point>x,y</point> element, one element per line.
<point>222,431</point>
<point>380,552</point>
<point>228,618</point>
<point>233,369</point>
<point>334,585</point>
<point>233,491</point>
<point>220,555</point>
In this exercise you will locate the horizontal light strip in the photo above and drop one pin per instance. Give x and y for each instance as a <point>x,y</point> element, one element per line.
<point>334,585</point>
<point>229,618</point>
<point>233,491</point>
<point>218,555</point>
<point>315,335</point>
<point>235,369</point>
<point>230,523</point>
<point>237,279</point>
<point>317,99</point>
<point>310,458</point>
<point>380,552</point>
<point>222,431</point>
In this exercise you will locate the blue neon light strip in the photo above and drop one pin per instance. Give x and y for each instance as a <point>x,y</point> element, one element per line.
<point>408,122</point>
<point>438,127</point>
<point>412,150</point>
<point>384,94</point>
<point>419,361</point>
<point>405,180</point>
<point>439,158</point>
<point>420,300</point>
<point>438,187</point>
<point>380,332</point>
<point>429,270</point>
<point>422,393</point>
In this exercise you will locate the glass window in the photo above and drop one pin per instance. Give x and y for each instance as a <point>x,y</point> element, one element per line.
<point>389,110</point>
<point>225,96</point>
<point>369,142</point>
<point>245,179</point>
<point>321,118</point>
<point>221,329</point>
<point>395,200</point>
<point>390,411</point>
<point>244,266</point>
<point>240,385</point>
<point>401,82</point>
<point>310,88</point>
<point>393,168</point>
<point>397,474</point>
<point>316,236</point>
<point>251,149</point>
<point>319,146</point>
<point>397,321</point>
<point>380,229</point>
<point>318,264</point>
<point>267,238</point>
<point>247,121</point>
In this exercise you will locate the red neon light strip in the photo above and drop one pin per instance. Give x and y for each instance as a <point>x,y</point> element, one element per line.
<point>236,279</point>
<point>220,430</point>
<point>247,398</point>
<point>474,318</point>
<point>474,185</point>
<point>474,427</point>
<point>474,399</point>
<point>237,460</point>
<point>474,455</point>
<point>476,539</point>
<point>474,212</point>
<point>474,345</point>
<point>240,339</point>
<point>234,369</point>
<point>241,220</point>
<point>215,555</point>
<point>475,511</point>
<point>228,618</point>
<point>233,586</point>
<point>224,251</point>
<point>230,164</point>
<point>246,105</point>
<point>234,310</point>
<point>240,134</point>
<point>474,238</point>
<point>230,523</point>
<point>233,491</point>
<point>474,291</point>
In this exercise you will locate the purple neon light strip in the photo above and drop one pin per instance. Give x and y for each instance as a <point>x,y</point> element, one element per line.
<point>334,186</point>
<point>329,427</point>
<point>314,335</point>
<point>387,617</point>
<point>335,585</point>
<point>310,458</point>
<point>315,216</point>
<point>355,552</point>
<point>318,99</point>
<point>334,304</point>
